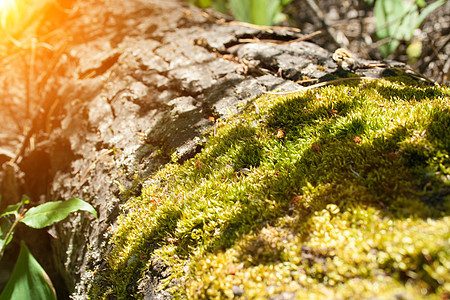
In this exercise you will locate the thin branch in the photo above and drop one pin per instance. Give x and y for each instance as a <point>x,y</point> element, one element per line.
<point>317,85</point>
<point>332,32</point>
<point>11,232</point>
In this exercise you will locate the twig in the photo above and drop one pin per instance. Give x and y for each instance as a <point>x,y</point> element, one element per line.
<point>305,38</point>
<point>320,15</point>
<point>317,85</point>
<point>411,70</point>
<point>435,52</point>
<point>11,231</point>
<point>30,75</point>
<point>267,41</point>
<point>263,27</point>
<point>41,82</point>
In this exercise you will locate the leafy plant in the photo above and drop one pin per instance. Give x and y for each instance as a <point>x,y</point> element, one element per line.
<point>29,280</point>
<point>260,12</point>
<point>396,20</point>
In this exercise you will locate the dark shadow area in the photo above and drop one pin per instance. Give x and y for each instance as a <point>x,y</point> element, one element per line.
<point>409,93</point>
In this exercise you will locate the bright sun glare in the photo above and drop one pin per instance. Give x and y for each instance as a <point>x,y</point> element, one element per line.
<point>9,12</point>
<point>6,5</point>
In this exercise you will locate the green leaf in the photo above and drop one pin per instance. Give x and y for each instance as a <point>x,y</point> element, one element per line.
<point>241,10</point>
<point>426,11</point>
<point>48,213</point>
<point>25,199</point>
<point>397,19</point>
<point>12,209</point>
<point>259,10</point>
<point>392,18</point>
<point>219,5</point>
<point>5,226</point>
<point>273,12</point>
<point>387,15</point>
<point>28,280</point>
<point>407,21</point>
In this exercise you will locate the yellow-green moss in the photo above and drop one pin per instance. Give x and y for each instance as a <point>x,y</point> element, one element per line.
<point>341,192</point>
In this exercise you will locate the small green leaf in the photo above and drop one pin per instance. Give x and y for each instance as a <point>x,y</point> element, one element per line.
<point>397,19</point>
<point>25,199</point>
<point>426,11</point>
<point>51,212</point>
<point>12,209</point>
<point>388,18</point>
<point>28,280</point>
<point>5,226</point>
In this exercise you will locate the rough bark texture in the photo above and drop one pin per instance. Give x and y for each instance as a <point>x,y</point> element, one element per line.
<point>137,85</point>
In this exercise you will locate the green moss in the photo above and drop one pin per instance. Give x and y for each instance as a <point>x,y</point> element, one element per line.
<point>341,192</point>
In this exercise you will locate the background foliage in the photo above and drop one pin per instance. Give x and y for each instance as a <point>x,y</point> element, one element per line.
<point>260,12</point>
<point>29,281</point>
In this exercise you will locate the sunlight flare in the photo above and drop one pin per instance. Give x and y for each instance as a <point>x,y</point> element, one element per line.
<point>6,4</point>
<point>9,12</point>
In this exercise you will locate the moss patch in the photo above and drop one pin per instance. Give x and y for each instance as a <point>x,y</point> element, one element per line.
<point>341,192</point>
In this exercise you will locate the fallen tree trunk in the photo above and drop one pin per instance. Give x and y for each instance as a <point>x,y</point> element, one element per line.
<point>137,85</point>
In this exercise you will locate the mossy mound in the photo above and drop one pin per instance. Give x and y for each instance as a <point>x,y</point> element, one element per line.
<point>340,192</point>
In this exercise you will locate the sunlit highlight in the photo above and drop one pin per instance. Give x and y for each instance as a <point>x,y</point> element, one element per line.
<point>6,4</point>
<point>9,12</point>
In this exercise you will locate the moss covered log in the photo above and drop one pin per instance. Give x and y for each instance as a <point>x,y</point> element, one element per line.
<point>334,193</point>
